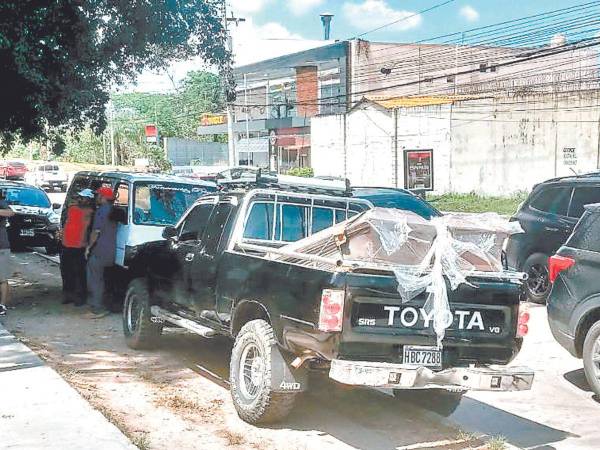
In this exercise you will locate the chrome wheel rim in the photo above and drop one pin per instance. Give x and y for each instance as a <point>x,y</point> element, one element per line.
<point>596,358</point>
<point>134,313</point>
<point>252,371</point>
<point>537,281</point>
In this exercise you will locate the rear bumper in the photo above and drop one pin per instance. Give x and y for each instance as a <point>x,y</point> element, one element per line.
<point>398,376</point>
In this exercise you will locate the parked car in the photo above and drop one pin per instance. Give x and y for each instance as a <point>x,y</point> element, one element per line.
<point>36,220</point>
<point>574,301</point>
<point>12,170</point>
<point>548,217</point>
<point>49,176</point>
<point>147,203</point>
<point>385,197</point>
<point>218,273</point>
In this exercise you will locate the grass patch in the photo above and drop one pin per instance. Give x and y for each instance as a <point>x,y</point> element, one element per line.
<point>473,203</point>
<point>496,443</point>
<point>141,441</point>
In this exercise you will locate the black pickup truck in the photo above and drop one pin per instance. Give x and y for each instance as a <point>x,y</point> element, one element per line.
<point>220,272</point>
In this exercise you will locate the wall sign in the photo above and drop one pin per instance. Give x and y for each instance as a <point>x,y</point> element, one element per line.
<point>418,169</point>
<point>569,156</point>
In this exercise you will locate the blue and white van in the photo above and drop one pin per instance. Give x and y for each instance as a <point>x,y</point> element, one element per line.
<point>148,202</point>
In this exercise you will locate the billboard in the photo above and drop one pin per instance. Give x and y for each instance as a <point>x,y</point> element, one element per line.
<point>418,169</point>
<point>151,133</point>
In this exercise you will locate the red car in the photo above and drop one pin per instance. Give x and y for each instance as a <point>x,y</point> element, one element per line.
<point>12,170</point>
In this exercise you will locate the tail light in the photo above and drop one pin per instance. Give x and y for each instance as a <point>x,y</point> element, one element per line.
<point>556,264</point>
<point>331,314</point>
<point>522,323</point>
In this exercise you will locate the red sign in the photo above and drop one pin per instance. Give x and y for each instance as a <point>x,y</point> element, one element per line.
<point>151,131</point>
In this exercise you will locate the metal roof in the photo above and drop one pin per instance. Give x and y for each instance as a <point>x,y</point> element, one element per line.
<point>415,101</point>
<point>141,176</point>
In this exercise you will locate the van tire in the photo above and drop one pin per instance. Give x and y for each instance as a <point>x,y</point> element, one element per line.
<point>592,369</point>
<point>537,287</point>
<point>140,332</point>
<point>254,399</point>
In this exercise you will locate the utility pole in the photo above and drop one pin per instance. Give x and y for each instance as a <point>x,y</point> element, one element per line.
<point>111,127</point>
<point>233,158</point>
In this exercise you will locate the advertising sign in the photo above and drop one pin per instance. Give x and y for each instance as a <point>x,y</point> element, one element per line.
<point>418,169</point>
<point>213,119</point>
<point>151,133</point>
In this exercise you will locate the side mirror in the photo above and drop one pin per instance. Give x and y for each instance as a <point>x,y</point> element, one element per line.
<point>56,206</point>
<point>169,232</point>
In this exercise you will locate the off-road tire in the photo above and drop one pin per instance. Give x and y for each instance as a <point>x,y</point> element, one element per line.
<point>140,332</point>
<point>537,261</point>
<point>592,370</point>
<point>440,401</point>
<point>266,406</point>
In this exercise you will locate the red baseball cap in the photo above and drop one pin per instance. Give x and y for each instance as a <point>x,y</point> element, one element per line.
<point>106,193</point>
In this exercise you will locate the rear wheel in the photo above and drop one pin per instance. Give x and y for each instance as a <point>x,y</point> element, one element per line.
<point>537,286</point>
<point>251,376</point>
<point>440,401</point>
<point>140,332</point>
<point>591,357</point>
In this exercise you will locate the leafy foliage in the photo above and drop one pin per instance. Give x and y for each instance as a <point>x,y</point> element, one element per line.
<point>302,172</point>
<point>59,58</point>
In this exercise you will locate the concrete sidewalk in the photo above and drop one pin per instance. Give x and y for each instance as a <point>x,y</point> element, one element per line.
<point>39,410</point>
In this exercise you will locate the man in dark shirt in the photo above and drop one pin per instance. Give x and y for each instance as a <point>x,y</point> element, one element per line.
<point>5,265</point>
<point>74,239</point>
<point>100,251</point>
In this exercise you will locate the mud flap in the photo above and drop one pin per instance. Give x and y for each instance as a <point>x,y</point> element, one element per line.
<point>284,377</point>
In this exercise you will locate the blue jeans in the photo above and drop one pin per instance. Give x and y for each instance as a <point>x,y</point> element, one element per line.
<point>95,282</point>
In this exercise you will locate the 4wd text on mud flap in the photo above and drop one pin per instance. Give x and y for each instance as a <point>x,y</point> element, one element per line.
<point>290,386</point>
<point>467,320</point>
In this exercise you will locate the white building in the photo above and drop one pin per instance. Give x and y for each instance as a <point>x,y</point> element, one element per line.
<point>494,146</point>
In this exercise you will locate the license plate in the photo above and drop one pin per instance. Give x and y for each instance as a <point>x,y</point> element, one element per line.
<point>422,356</point>
<point>27,233</point>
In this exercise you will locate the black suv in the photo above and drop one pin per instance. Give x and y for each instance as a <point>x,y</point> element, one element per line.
<point>548,217</point>
<point>36,219</point>
<point>574,302</point>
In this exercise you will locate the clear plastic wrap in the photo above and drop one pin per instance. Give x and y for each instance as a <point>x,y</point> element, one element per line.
<point>424,256</point>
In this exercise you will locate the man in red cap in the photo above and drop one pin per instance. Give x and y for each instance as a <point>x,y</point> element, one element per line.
<point>100,251</point>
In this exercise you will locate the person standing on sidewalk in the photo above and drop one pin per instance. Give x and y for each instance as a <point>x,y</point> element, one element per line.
<point>5,265</point>
<point>100,252</point>
<point>74,242</point>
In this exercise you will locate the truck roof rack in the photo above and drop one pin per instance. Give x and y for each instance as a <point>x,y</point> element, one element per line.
<point>247,177</point>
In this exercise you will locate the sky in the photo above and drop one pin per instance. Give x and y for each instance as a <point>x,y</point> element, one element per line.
<point>275,27</point>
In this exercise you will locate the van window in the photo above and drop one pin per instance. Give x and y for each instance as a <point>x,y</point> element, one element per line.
<point>583,196</point>
<point>259,224</point>
<point>122,198</point>
<point>163,203</point>
<point>553,200</point>
<point>194,225</point>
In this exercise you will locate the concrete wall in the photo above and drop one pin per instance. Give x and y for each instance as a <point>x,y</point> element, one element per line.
<point>488,146</point>
<point>181,152</point>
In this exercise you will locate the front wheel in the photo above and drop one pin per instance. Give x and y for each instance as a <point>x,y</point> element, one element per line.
<point>140,332</point>
<point>591,357</point>
<point>537,286</point>
<point>251,376</point>
<point>440,401</point>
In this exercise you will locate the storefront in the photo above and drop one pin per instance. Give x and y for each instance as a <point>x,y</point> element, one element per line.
<point>290,148</point>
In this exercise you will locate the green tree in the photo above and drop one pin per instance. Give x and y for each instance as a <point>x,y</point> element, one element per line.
<point>59,58</point>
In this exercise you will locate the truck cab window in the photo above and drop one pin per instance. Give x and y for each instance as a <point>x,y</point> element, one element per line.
<point>194,224</point>
<point>322,218</point>
<point>259,224</point>
<point>294,224</point>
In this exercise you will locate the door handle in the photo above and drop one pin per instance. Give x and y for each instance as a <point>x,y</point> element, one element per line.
<point>189,257</point>
<point>550,229</point>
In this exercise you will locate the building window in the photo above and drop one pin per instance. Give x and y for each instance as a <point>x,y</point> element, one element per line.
<point>428,80</point>
<point>483,67</point>
<point>450,79</point>
<point>493,68</point>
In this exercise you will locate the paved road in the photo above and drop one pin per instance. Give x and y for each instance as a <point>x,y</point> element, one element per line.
<point>559,412</point>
